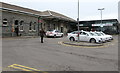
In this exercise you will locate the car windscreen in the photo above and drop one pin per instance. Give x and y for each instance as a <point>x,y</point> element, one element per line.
<point>102,33</point>
<point>57,31</point>
<point>99,34</point>
<point>75,32</point>
<point>50,30</point>
<point>93,34</point>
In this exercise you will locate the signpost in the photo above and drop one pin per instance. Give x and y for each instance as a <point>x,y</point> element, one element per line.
<point>39,22</point>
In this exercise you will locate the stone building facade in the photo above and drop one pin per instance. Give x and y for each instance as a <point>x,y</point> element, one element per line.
<point>20,21</point>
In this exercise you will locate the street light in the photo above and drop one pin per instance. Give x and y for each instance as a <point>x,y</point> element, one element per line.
<point>101,17</point>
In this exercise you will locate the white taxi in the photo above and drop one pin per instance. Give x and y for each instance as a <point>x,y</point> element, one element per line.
<point>54,33</point>
<point>85,36</point>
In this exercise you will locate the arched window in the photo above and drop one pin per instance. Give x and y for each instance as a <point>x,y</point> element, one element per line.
<point>16,22</point>
<point>5,22</point>
<point>21,25</point>
<point>34,26</point>
<point>30,26</point>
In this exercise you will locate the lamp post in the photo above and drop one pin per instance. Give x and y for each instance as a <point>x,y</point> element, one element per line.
<point>78,22</point>
<point>101,17</point>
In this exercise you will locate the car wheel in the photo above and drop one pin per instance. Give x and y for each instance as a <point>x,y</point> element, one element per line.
<point>72,39</point>
<point>92,41</point>
<point>55,36</point>
<point>62,35</point>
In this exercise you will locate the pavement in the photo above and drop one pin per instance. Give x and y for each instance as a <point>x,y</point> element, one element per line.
<point>29,53</point>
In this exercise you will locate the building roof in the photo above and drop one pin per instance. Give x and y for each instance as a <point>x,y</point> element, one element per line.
<point>50,14</point>
<point>100,20</point>
<point>5,5</point>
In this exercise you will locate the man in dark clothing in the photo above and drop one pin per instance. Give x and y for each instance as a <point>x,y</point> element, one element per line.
<point>42,33</point>
<point>17,31</point>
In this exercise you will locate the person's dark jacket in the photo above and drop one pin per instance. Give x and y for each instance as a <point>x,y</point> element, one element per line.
<point>42,33</point>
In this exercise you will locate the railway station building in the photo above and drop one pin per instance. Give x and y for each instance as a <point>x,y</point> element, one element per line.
<point>20,21</point>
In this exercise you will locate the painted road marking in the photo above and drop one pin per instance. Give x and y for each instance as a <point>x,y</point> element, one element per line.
<point>82,46</point>
<point>24,68</point>
<point>4,69</point>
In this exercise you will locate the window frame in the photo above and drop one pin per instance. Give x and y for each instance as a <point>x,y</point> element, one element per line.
<point>21,25</point>
<point>6,21</point>
<point>30,26</point>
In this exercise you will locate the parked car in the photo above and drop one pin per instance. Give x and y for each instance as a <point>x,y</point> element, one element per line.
<point>85,36</point>
<point>54,33</point>
<point>104,38</point>
<point>108,36</point>
<point>73,36</point>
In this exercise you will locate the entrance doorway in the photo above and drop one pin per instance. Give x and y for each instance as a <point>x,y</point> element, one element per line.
<point>16,27</point>
<point>62,29</point>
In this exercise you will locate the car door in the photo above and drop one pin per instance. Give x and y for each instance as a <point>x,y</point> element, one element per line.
<point>57,32</point>
<point>73,34</point>
<point>83,36</point>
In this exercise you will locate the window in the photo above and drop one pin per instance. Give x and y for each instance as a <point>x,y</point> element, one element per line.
<point>73,32</point>
<point>16,22</point>
<point>21,25</point>
<point>34,27</point>
<point>83,33</point>
<point>5,22</point>
<point>30,26</point>
<point>54,26</point>
<point>57,31</point>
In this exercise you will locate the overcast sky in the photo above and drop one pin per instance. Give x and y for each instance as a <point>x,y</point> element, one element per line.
<point>88,8</point>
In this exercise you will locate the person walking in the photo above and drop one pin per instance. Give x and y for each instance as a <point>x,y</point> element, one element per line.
<point>42,33</point>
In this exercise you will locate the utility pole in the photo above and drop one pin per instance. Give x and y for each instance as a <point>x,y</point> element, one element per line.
<point>78,23</point>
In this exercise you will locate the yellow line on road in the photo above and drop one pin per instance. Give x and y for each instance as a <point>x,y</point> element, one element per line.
<point>24,68</point>
<point>19,68</point>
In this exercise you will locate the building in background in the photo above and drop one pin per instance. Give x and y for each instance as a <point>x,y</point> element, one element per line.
<point>109,26</point>
<point>20,21</point>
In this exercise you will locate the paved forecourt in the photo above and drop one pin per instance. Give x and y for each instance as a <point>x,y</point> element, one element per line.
<point>20,54</point>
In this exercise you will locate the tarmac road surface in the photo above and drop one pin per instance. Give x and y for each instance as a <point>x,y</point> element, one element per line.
<point>52,56</point>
